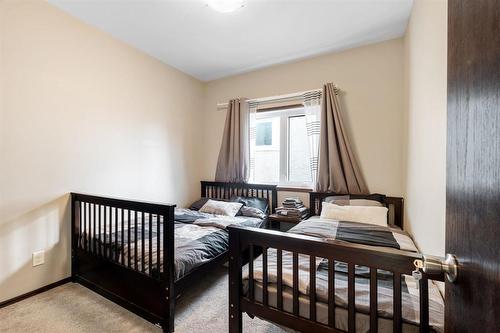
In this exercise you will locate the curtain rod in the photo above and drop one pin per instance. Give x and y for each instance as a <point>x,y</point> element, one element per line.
<point>273,99</point>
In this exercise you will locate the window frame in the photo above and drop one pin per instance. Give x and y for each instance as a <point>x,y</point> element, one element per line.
<point>284,115</point>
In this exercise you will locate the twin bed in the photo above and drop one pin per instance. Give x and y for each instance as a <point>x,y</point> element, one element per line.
<point>143,255</point>
<point>327,275</point>
<point>323,275</point>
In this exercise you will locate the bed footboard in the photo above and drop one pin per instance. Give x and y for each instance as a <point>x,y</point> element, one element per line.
<point>124,250</point>
<point>248,240</point>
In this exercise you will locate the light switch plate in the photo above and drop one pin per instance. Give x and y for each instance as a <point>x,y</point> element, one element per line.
<point>38,258</point>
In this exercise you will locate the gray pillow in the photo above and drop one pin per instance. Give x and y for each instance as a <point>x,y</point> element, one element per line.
<point>356,200</point>
<point>341,200</point>
<point>259,203</point>
<point>198,204</point>
<point>252,212</point>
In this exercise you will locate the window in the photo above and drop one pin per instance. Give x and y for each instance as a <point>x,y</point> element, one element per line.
<point>281,148</point>
<point>299,169</point>
<point>264,133</point>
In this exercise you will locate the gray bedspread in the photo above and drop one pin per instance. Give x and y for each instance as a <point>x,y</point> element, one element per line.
<point>195,243</point>
<point>358,233</point>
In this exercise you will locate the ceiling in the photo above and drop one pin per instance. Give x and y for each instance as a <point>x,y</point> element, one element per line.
<point>192,37</point>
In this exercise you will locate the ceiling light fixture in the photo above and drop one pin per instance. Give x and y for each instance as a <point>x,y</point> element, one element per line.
<point>225,6</point>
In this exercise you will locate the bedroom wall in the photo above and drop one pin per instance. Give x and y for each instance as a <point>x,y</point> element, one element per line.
<point>425,86</point>
<point>372,80</point>
<point>83,112</point>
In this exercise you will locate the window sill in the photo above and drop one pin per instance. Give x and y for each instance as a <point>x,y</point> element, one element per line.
<point>294,189</point>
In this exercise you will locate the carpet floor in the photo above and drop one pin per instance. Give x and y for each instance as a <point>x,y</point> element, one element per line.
<point>73,308</point>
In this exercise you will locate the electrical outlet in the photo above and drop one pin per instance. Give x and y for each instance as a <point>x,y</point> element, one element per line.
<point>38,258</point>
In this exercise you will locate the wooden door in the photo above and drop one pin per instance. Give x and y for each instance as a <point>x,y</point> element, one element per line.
<point>473,165</point>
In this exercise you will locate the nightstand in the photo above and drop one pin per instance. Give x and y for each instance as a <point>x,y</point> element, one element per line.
<point>275,221</point>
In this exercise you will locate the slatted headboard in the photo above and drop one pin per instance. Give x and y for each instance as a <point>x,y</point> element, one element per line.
<point>394,204</point>
<point>222,190</point>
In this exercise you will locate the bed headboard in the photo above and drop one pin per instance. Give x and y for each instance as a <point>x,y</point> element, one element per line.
<point>394,204</point>
<point>222,190</point>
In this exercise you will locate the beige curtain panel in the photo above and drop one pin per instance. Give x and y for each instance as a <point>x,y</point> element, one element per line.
<point>233,163</point>
<point>338,170</point>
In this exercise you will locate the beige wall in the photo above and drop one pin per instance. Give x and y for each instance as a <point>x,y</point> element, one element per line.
<point>425,82</point>
<point>80,111</point>
<point>372,79</point>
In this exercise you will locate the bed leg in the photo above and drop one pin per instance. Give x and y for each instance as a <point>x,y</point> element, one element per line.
<point>168,266</point>
<point>168,324</point>
<point>235,264</point>
<point>75,230</point>
<point>165,329</point>
<point>235,322</point>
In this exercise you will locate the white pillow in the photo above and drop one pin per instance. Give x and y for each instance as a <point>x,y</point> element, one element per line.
<point>221,207</point>
<point>362,214</point>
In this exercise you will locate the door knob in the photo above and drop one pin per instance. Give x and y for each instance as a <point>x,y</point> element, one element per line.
<point>437,265</point>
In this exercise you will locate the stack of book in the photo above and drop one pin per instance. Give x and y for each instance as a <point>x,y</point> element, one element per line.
<point>293,208</point>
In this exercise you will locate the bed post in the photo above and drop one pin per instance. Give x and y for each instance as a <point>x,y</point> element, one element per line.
<point>75,229</point>
<point>168,278</point>
<point>274,203</point>
<point>235,264</point>
<point>203,189</point>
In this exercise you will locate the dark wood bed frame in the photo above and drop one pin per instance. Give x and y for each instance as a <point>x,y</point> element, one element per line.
<point>250,240</point>
<point>150,292</point>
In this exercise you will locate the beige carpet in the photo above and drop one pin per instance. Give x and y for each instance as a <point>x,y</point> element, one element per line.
<point>73,308</point>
